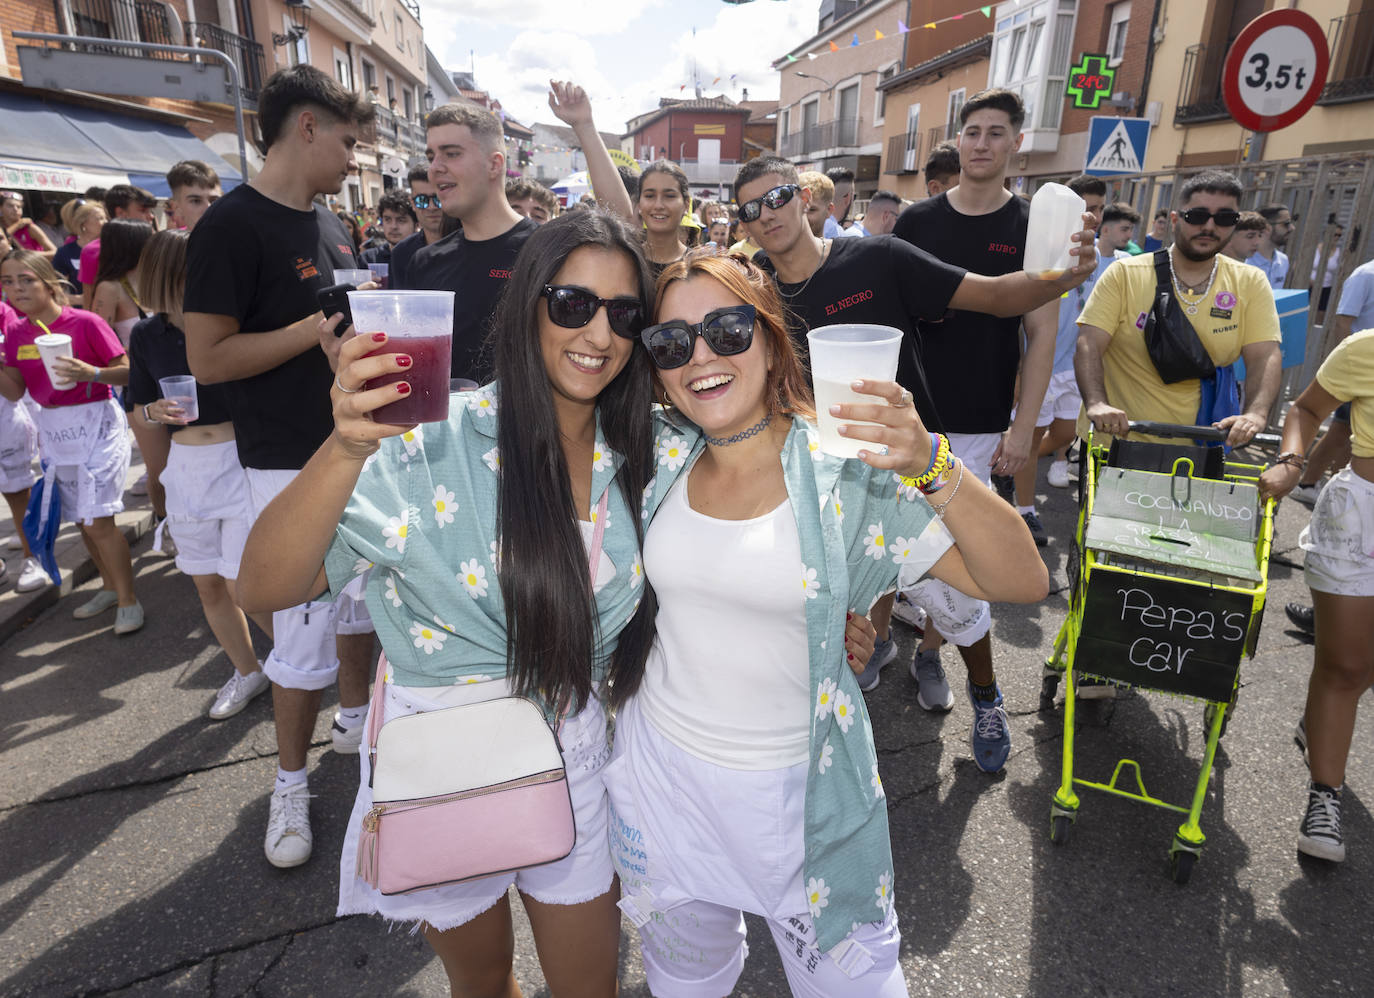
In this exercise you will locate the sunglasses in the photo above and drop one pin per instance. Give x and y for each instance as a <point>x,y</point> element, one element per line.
<point>573,308</point>
<point>775,199</point>
<point>727,331</point>
<point>1225,218</point>
<point>423,201</point>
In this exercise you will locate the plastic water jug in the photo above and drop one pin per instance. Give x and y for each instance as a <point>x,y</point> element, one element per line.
<point>1056,215</point>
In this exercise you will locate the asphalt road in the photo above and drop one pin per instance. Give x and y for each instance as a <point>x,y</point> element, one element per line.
<point>131,832</point>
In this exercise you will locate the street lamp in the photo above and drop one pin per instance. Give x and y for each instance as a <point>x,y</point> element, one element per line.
<point>299,10</point>
<point>429,100</point>
<point>818,79</point>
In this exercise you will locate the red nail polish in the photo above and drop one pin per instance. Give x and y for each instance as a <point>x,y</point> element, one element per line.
<point>379,337</point>
<point>850,657</point>
<point>402,360</point>
<point>848,616</point>
<point>402,388</point>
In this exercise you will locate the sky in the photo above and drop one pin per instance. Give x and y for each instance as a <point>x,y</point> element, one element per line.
<point>626,54</point>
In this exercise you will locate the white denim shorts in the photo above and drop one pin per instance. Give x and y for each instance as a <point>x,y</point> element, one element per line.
<point>583,875</point>
<point>1339,539</point>
<point>697,845</point>
<point>207,507</point>
<point>18,447</point>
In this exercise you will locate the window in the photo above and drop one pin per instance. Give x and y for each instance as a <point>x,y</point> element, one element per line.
<point>369,75</point>
<point>408,101</point>
<point>390,91</point>
<point>785,128</point>
<point>880,102</point>
<point>343,70</point>
<point>956,104</point>
<point>847,116</point>
<point>1031,54</point>
<point>400,33</point>
<point>913,137</point>
<point>1117,27</point>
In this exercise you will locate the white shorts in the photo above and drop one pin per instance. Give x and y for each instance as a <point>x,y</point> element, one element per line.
<point>18,448</point>
<point>1339,539</point>
<point>303,656</point>
<point>208,512</point>
<point>697,845</point>
<point>1062,400</point>
<point>976,450</point>
<point>583,875</point>
<point>96,489</point>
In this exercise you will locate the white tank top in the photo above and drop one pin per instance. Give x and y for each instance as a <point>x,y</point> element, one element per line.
<point>124,329</point>
<point>728,678</point>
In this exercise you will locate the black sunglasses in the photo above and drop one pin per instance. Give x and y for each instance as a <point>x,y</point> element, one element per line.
<point>776,198</point>
<point>1225,218</point>
<point>727,331</point>
<point>573,308</point>
<point>423,201</point>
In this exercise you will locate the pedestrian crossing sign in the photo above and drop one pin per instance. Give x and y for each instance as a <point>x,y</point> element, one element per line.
<point>1116,146</point>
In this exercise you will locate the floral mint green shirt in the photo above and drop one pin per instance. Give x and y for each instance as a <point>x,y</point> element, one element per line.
<point>423,517</point>
<point>859,530</point>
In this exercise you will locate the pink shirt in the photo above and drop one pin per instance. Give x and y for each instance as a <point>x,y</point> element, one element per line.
<point>92,341</point>
<point>90,262</point>
<point>24,239</point>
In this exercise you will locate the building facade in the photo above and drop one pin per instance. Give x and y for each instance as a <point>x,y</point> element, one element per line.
<point>703,135</point>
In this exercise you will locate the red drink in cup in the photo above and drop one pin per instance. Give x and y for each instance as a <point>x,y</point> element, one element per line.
<point>420,324</point>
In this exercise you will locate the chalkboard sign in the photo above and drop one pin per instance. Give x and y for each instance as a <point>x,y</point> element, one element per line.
<point>1163,634</point>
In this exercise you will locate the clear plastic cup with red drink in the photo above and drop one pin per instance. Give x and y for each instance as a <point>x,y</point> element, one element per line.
<point>420,324</point>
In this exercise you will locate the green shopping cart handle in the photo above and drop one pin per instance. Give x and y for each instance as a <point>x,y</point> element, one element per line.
<point>1197,432</point>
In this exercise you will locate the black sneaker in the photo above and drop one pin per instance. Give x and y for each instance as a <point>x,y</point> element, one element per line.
<point>1006,487</point>
<point>1320,834</point>
<point>1301,615</point>
<point>1037,529</point>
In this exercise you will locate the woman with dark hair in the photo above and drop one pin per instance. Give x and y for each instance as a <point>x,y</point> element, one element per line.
<point>116,282</point>
<point>662,203</point>
<point>744,777</point>
<point>453,628</point>
<point>354,230</point>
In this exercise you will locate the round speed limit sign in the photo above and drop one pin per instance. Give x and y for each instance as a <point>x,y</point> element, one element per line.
<point>1275,70</point>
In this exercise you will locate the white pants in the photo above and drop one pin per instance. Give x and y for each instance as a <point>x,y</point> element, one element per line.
<point>697,845</point>
<point>583,875</point>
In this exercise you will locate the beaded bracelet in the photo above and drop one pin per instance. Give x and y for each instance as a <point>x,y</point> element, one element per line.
<point>939,510</point>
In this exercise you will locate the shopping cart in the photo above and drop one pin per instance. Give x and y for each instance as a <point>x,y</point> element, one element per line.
<point>1167,583</point>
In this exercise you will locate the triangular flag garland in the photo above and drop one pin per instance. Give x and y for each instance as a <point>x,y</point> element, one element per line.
<point>855,43</point>
<point>878,36</point>
<point>902,28</point>
<point>834,47</point>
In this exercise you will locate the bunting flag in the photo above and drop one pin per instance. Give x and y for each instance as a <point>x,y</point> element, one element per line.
<point>834,47</point>
<point>987,11</point>
<point>878,36</point>
<point>715,81</point>
<point>902,28</point>
<point>791,58</point>
<point>930,25</point>
<point>811,56</point>
<point>855,43</point>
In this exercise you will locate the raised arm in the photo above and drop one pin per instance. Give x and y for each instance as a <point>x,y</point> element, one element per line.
<point>570,105</point>
<point>219,351</point>
<point>283,562</point>
<point>1017,293</point>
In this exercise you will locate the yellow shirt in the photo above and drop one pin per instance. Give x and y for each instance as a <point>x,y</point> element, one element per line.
<point>1237,310</point>
<point>747,247</point>
<point>1348,374</point>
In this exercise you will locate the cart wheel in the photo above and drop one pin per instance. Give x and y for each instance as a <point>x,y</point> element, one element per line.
<point>1049,689</point>
<point>1181,865</point>
<point>1059,828</point>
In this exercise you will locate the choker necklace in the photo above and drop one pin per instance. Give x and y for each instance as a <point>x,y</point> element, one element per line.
<point>753,431</point>
<point>1191,306</point>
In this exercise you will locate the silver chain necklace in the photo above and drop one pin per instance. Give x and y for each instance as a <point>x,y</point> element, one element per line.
<point>825,251</point>
<point>753,431</point>
<point>1191,307</point>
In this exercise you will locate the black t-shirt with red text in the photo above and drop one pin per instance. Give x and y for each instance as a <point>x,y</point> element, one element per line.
<point>877,280</point>
<point>261,263</point>
<point>477,272</point>
<point>972,358</point>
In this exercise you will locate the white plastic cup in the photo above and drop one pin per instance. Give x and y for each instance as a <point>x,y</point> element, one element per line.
<point>1056,216</point>
<point>418,323</point>
<point>353,277</point>
<point>52,347</point>
<point>182,390</point>
<point>380,274</point>
<point>839,356</point>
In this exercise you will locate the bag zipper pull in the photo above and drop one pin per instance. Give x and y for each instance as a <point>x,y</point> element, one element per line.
<point>367,845</point>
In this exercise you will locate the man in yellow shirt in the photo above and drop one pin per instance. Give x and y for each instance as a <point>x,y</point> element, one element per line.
<point>1228,303</point>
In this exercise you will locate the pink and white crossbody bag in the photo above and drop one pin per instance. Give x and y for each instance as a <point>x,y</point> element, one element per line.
<point>465,792</point>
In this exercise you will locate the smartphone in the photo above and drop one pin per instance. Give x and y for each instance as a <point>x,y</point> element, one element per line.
<point>333,300</point>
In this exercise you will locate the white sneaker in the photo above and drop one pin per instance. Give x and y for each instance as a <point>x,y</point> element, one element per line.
<point>909,613</point>
<point>14,543</point>
<point>234,695</point>
<point>346,740</point>
<point>31,576</point>
<point>1058,475</point>
<point>288,842</point>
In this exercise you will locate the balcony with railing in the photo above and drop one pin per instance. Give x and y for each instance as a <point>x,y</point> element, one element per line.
<point>1199,90</point>
<point>837,133</point>
<point>1350,40</point>
<point>246,54</point>
<point>942,133</point>
<point>708,173</point>
<point>903,154</point>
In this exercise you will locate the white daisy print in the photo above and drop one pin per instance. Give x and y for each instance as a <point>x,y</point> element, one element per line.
<point>875,545</point>
<point>825,698</point>
<point>905,491</point>
<point>844,710</point>
<point>482,402</point>
<point>473,577</point>
<point>817,896</point>
<point>411,440</point>
<point>877,783</point>
<point>839,509</point>
<point>595,511</point>
<point>427,638</point>
<point>395,532</point>
<point>813,444</point>
<point>469,680</point>
<point>390,591</point>
<point>444,506</point>
<point>672,452</point>
<point>493,459</point>
<point>810,587</point>
<point>371,460</point>
<point>636,575</point>
<point>903,550</point>
<point>884,892</point>
<point>494,555</point>
<point>827,757</point>
<point>601,457</point>
<point>361,565</point>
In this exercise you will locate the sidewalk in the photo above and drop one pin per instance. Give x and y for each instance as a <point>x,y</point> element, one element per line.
<point>18,609</point>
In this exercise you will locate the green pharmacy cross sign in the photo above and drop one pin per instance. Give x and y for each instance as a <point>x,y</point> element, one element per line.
<point>1090,81</point>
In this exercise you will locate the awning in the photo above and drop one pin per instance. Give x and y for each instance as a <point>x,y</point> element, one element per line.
<point>63,147</point>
